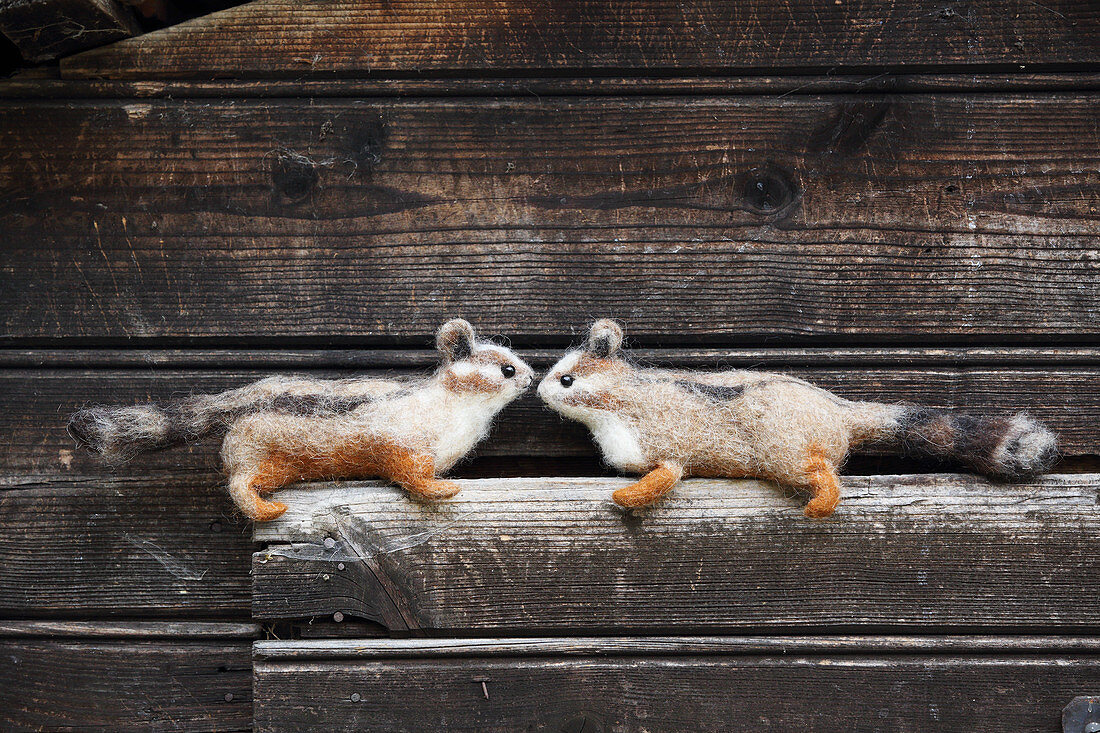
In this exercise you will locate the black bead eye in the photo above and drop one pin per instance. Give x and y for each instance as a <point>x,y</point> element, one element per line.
<point>566,380</point>
<point>508,370</point>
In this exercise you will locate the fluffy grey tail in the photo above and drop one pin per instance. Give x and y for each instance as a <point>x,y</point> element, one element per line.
<point>1002,447</point>
<point>119,433</point>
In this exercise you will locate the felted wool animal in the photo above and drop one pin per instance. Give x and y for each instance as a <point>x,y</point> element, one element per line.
<point>672,424</point>
<point>285,429</point>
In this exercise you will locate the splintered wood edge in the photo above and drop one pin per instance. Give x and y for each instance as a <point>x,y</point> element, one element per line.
<point>314,509</point>
<point>353,649</point>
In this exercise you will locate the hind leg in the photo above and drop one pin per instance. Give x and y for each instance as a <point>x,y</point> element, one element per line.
<point>822,480</point>
<point>414,472</point>
<point>244,487</point>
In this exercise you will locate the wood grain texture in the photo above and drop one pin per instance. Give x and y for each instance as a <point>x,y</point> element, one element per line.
<point>619,689</point>
<point>44,84</point>
<point>747,221</point>
<point>177,630</point>
<point>38,402</point>
<point>138,546</point>
<point>125,686</point>
<point>519,555</point>
<point>279,651</point>
<point>358,37</point>
<point>46,29</point>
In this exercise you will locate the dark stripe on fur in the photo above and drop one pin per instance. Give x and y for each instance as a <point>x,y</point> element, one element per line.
<point>318,404</point>
<point>712,392</point>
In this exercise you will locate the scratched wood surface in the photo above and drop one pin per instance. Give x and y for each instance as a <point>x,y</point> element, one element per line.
<point>360,37</point>
<point>696,220</point>
<point>556,554</point>
<point>631,685</point>
<point>125,685</point>
<point>38,404</point>
<point>139,546</point>
<point>45,84</point>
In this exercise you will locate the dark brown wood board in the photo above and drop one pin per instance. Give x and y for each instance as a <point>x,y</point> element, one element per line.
<point>46,29</point>
<point>360,37</point>
<point>700,685</point>
<point>40,84</point>
<point>39,402</point>
<point>519,555</point>
<point>164,545</point>
<point>730,221</point>
<point>84,685</point>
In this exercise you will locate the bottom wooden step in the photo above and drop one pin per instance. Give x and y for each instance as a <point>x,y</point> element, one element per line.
<point>170,676</point>
<point>942,684</point>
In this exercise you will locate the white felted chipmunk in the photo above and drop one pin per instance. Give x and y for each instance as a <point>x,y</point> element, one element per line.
<point>672,424</point>
<point>285,429</point>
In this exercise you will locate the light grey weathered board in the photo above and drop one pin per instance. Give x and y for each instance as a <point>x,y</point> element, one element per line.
<point>521,555</point>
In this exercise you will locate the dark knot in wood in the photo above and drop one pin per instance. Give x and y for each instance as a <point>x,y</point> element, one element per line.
<point>770,191</point>
<point>366,144</point>
<point>294,175</point>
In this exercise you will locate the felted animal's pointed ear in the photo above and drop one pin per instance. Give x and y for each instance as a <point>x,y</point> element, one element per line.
<point>455,339</point>
<point>604,338</point>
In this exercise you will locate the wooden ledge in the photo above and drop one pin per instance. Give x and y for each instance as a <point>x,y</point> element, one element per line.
<point>907,552</point>
<point>654,646</point>
<point>699,684</point>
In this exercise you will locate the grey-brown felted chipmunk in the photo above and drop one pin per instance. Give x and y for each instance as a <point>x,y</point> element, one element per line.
<point>671,424</point>
<point>285,429</point>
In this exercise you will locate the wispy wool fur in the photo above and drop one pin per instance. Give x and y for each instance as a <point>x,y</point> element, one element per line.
<point>286,429</point>
<point>672,424</point>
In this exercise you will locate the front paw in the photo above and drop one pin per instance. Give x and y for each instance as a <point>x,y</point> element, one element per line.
<point>438,490</point>
<point>631,497</point>
<point>820,508</point>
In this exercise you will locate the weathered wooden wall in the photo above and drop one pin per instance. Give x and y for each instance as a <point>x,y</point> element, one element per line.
<point>897,202</point>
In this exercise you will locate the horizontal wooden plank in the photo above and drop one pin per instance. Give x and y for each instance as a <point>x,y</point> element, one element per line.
<point>39,83</point>
<point>185,630</point>
<point>46,29</point>
<point>209,360</point>
<point>913,552</point>
<point>718,692</point>
<point>328,650</point>
<point>697,221</point>
<point>125,686</point>
<point>139,546</point>
<point>319,37</point>
<point>38,403</point>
